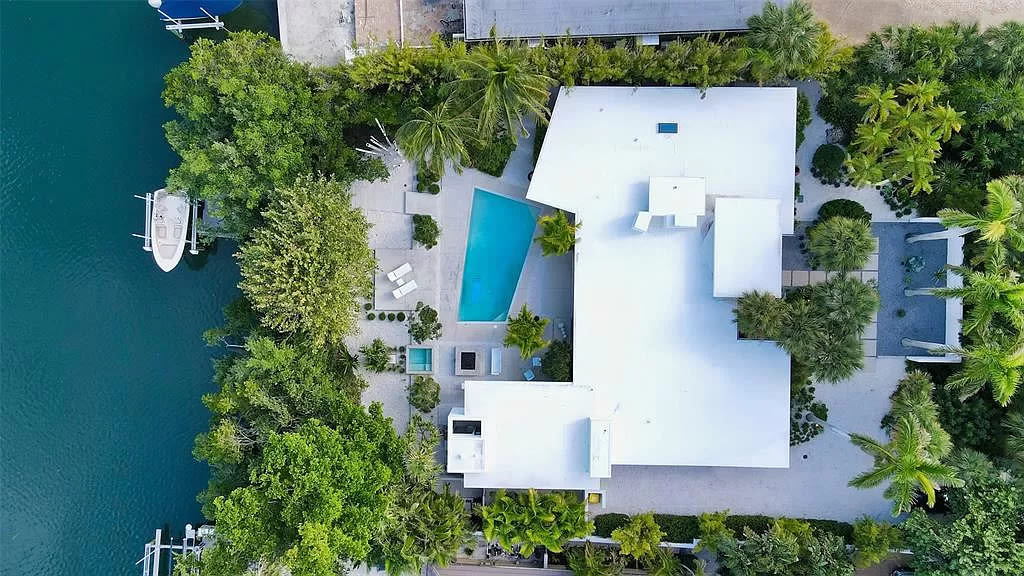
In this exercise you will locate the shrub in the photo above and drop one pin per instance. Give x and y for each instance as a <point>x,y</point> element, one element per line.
<point>401,318</point>
<point>843,207</point>
<point>368,306</point>
<point>604,524</point>
<point>491,157</point>
<point>391,316</point>
<point>371,316</point>
<point>827,163</point>
<point>687,528</point>
<point>423,324</point>
<point>425,230</point>
<point>873,541</point>
<point>557,362</point>
<point>803,117</point>
<point>376,355</point>
<point>434,189</point>
<point>424,393</point>
<point>840,244</point>
<point>529,519</point>
<point>713,531</point>
<point>640,536</point>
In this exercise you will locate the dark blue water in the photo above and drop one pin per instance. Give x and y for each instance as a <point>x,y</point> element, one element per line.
<point>102,362</point>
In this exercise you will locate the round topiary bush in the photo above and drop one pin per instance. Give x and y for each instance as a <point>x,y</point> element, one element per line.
<point>370,316</point>
<point>843,207</point>
<point>368,306</point>
<point>434,188</point>
<point>401,318</point>
<point>391,316</point>
<point>382,316</point>
<point>828,161</point>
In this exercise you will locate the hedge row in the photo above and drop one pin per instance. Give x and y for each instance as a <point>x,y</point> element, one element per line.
<point>685,528</point>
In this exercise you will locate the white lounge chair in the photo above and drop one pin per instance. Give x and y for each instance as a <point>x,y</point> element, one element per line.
<point>642,221</point>
<point>404,289</point>
<point>495,361</point>
<point>399,272</point>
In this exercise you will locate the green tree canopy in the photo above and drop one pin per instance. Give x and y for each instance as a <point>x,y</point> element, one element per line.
<point>305,268</point>
<point>640,537</point>
<point>983,534</point>
<point>874,541</point>
<point>1001,225</point>
<point>557,233</point>
<point>997,360</point>
<point>526,332</point>
<point>423,324</point>
<point>530,519</point>
<point>789,42</point>
<point>840,244</point>
<point>249,123</point>
<point>316,497</point>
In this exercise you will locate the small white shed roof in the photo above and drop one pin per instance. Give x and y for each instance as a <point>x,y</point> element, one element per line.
<point>748,247</point>
<point>534,435</point>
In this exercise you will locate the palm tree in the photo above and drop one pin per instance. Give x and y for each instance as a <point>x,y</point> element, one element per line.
<point>989,295</point>
<point>845,304</point>
<point>947,121</point>
<point>760,315</point>
<point>803,330</point>
<point>998,360</point>
<point>526,332</point>
<point>788,37</point>
<point>436,137</point>
<point>872,138</point>
<point>841,244</point>
<point>921,93</point>
<point>1014,426</point>
<point>880,103</point>
<point>1002,219</point>
<point>557,235</point>
<point>906,464</point>
<point>500,86</point>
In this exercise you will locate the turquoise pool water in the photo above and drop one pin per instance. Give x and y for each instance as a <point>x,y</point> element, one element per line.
<point>421,359</point>
<point>500,232</point>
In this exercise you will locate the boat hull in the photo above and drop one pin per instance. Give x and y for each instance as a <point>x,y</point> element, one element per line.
<point>169,228</point>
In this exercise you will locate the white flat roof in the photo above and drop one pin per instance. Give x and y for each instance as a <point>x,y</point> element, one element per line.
<point>748,247</point>
<point>659,350</point>
<point>555,18</point>
<point>535,434</point>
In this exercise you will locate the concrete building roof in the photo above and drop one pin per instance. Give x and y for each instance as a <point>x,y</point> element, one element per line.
<point>552,18</point>
<point>656,355</point>
<point>748,247</point>
<point>531,435</point>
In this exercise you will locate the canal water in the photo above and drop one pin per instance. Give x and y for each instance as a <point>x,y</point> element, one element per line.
<point>102,361</point>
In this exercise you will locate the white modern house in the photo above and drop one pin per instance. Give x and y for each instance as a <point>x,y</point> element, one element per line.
<point>684,198</point>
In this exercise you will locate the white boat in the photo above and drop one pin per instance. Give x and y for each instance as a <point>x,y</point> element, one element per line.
<point>169,227</point>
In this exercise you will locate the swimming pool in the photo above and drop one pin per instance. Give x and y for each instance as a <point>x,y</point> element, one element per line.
<point>500,232</point>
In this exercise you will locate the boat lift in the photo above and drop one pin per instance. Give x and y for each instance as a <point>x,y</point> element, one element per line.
<point>147,238</point>
<point>192,543</point>
<point>181,15</point>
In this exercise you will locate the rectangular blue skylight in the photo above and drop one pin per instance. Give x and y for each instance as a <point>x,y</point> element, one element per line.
<point>668,128</point>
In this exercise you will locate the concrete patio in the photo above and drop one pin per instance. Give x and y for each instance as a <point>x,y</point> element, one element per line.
<point>814,485</point>
<point>545,284</point>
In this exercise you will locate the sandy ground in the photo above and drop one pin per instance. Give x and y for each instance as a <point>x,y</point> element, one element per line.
<point>855,19</point>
